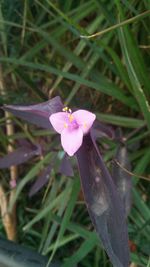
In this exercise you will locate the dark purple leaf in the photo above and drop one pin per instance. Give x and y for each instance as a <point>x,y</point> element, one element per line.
<point>122,178</point>
<point>65,167</point>
<point>41,181</point>
<point>37,114</point>
<point>101,130</point>
<point>19,156</point>
<point>103,202</point>
<point>17,255</point>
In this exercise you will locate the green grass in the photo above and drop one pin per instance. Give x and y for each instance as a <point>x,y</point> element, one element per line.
<point>43,55</point>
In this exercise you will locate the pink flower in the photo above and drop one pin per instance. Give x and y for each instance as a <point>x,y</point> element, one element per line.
<point>72,127</point>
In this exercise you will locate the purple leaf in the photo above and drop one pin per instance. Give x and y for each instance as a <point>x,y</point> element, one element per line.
<point>65,167</point>
<point>37,114</point>
<point>41,181</point>
<point>19,156</point>
<point>17,255</point>
<point>103,202</point>
<point>101,130</point>
<point>122,178</point>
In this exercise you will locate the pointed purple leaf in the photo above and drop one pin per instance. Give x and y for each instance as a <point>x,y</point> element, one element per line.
<point>41,181</point>
<point>122,178</point>
<point>37,114</point>
<point>19,156</point>
<point>103,202</point>
<point>65,167</point>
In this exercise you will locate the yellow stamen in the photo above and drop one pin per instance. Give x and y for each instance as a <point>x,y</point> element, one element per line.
<point>65,109</point>
<point>71,118</point>
<point>84,125</point>
<point>65,125</point>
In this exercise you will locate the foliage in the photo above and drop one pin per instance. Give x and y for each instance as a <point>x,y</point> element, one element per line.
<point>43,55</point>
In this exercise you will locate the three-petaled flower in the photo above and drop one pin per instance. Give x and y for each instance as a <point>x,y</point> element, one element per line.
<point>72,127</point>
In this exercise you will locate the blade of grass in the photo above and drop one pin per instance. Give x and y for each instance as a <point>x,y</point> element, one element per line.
<point>54,189</point>
<point>65,240</point>
<point>43,212</point>
<point>118,25</point>
<point>132,71</point>
<point>120,67</point>
<point>109,88</point>
<point>83,250</point>
<point>137,87</point>
<point>77,51</point>
<point>67,215</point>
<point>120,120</point>
<point>78,229</point>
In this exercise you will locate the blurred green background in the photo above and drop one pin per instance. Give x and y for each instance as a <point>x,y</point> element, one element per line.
<point>43,54</point>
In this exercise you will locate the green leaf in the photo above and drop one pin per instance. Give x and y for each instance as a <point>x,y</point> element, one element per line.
<point>83,250</point>
<point>120,120</point>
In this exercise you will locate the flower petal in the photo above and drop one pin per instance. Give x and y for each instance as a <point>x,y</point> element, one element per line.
<point>71,140</point>
<point>84,119</point>
<point>58,121</point>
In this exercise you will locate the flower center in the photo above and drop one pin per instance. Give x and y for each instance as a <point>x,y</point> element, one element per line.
<point>71,123</point>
